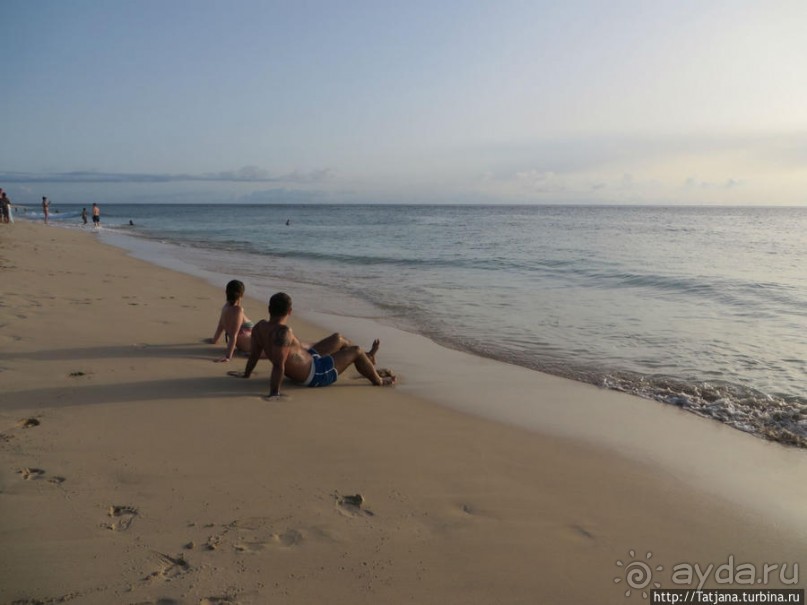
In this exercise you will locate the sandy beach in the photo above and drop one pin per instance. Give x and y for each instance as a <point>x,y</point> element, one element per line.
<point>134,470</point>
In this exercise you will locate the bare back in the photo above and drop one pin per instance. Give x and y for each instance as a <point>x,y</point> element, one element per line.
<point>231,318</point>
<point>278,342</point>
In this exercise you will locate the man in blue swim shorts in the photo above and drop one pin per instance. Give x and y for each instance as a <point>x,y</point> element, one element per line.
<point>316,366</point>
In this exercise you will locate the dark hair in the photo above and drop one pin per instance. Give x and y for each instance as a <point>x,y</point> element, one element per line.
<point>235,290</point>
<point>279,305</point>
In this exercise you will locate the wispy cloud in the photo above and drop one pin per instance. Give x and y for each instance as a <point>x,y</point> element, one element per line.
<point>730,183</point>
<point>247,174</point>
<point>541,181</point>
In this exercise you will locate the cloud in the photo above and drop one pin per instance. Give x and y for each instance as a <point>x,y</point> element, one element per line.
<point>730,183</point>
<point>314,176</point>
<point>542,181</point>
<point>247,174</point>
<point>668,157</point>
<point>283,195</point>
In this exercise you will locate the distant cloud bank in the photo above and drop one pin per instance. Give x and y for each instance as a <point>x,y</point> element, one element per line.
<point>247,174</point>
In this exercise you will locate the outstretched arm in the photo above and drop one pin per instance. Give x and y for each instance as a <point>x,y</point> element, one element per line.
<point>230,323</point>
<point>233,328</point>
<point>254,354</point>
<point>279,354</point>
<point>219,330</point>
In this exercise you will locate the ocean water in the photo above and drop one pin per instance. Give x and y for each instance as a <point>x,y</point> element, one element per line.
<point>703,308</point>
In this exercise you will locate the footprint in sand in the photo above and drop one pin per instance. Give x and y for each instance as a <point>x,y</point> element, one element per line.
<point>352,506</point>
<point>27,423</point>
<point>170,567</point>
<point>582,532</point>
<point>255,534</point>
<point>287,539</point>
<point>252,546</point>
<point>31,473</point>
<point>123,517</point>
<point>291,537</point>
<point>213,543</point>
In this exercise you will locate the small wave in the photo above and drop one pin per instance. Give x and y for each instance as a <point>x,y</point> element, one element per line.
<point>780,418</point>
<point>730,292</point>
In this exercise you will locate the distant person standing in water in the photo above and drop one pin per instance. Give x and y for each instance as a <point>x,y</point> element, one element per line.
<point>84,215</point>
<point>45,208</point>
<point>96,215</point>
<point>5,207</point>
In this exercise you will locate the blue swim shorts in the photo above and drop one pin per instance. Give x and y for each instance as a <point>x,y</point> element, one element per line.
<point>322,371</point>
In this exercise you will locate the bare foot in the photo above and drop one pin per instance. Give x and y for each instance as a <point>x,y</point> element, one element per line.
<point>387,378</point>
<point>373,350</point>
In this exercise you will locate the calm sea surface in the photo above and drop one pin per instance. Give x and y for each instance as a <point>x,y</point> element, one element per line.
<point>704,308</point>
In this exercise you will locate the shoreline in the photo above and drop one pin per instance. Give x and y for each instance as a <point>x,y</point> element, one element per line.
<point>683,372</point>
<point>705,375</point>
<point>457,505</point>
<point>569,408</point>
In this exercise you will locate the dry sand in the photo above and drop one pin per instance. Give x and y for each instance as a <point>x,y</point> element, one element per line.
<point>144,474</point>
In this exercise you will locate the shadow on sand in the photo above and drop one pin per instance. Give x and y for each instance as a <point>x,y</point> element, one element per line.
<point>85,392</point>
<point>201,387</point>
<point>190,350</point>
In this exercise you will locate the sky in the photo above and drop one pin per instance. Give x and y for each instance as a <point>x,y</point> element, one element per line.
<point>439,101</point>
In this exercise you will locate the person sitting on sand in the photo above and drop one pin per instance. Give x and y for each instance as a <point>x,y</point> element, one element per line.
<point>233,322</point>
<point>315,366</point>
